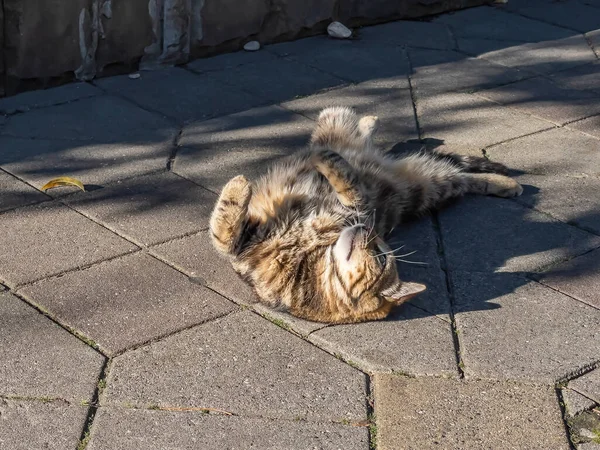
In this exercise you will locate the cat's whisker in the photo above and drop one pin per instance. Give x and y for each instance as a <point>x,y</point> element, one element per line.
<point>406,254</point>
<point>412,262</point>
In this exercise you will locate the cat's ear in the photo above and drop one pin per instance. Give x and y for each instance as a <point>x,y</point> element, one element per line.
<point>229,214</point>
<point>403,291</point>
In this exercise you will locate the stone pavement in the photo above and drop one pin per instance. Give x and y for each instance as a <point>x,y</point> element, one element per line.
<point>120,328</point>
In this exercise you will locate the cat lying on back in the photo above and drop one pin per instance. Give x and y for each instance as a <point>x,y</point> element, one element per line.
<point>308,236</point>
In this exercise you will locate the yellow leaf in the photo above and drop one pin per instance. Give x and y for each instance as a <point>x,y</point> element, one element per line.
<point>63,181</point>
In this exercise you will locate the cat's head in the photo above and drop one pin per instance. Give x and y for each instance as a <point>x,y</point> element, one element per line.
<point>326,272</point>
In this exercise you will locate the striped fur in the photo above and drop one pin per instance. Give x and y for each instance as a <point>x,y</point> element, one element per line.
<point>309,235</point>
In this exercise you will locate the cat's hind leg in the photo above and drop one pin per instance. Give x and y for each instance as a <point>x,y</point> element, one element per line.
<point>492,184</point>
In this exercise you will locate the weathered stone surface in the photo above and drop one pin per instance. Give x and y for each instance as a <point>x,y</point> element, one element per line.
<point>32,424</point>
<point>128,429</point>
<point>279,80</point>
<point>180,94</point>
<point>588,384</point>
<point>545,99</point>
<point>390,100</point>
<point>463,119</point>
<point>48,97</point>
<point>579,278</point>
<point>542,58</point>
<point>487,234</point>
<point>118,305</point>
<point>15,193</point>
<point>215,151</point>
<point>149,209</point>
<point>349,60</point>
<point>575,403</point>
<point>585,78</point>
<point>432,413</point>
<point>436,72</point>
<point>571,14</point>
<point>396,344</point>
<point>512,328</point>
<point>411,34</point>
<point>40,359</point>
<point>242,364</point>
<point>493,23</point>
<point>287,18</point>
<point>39,241</point>
<point>590,126</point>
<point>559,171</point>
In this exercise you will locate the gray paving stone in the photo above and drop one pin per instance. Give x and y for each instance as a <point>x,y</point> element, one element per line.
<point>469,120</point>
<point>180,94</point>
<point>585,78</point>
<point>29,425</point>
<point>575,403</point>
<point>579,278</point>
<point>229,61</point>
<point>593,38</point>
<point>351,60</point>
<point>487,234</point>
<point>559,171</point>
<point>540,57</point>
<point>390,100</point>
<point>131,429</point>
<point>545,99</point>
<point>127,301</point>
<point>568,14</point>
<point>479,46</point>
<point>40,359</point>
<point>215,151</point>
<point>48,97</point>
<point>43,240</point>
<point>242,364</point>
<point>588,385</point>
<point>105,119</point>
<point>195,256</point>
<point>591,126</point>
<point>431,413</point>
<point>396,344</point>
<point>279,80</point>
<point>15,193</point>
<point>411,34</point>
<point>492,23</point>
<point>436,72</point>
<point>515,329</point>
<point>149,209</point>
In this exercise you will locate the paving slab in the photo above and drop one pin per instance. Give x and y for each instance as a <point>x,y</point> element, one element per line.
<point>493,23</point>
<point>544,99</point>
<point>395,344</point>
<point>127,301</point>
<point>390,100</point>
<point>27,425</point>
<point>593,38</point>
<point>242,364</point>
<point>130,429</point>
<point>15,193</point>
<point>350,60</point>
<point>542,58</point>
<point>584,78</point>
<point>229,61</point>
<point>575,403</point>
<point>47,97</point>
<point>195,256</point>
<point>149,209</point>
<point>487,234</point>
<point>410,34</point>
<point>431,413</point>
<point>435,72</point>
<point>215,151</point>
<point>568,14</point>
<point>588,385</point>
<point>32,347</point>
<point>180,94</point>
<point>48,239</point>
<point>559,169</point>
<point>590,126</point>
<point>515,329</point>
<point>578,278</point>
<point>469,120</point>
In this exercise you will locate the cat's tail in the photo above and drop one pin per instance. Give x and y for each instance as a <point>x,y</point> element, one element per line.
<point>472,164</point>
<point>339,128</point>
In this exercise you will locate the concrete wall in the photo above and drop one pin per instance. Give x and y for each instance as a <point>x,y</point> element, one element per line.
<point>47,42</point>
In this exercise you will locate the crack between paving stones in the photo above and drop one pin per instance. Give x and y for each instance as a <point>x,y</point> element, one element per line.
<point>93,408</point>
<point>196,183</point>
<point>564,416</point>
<point>12,175</point>
<point>58,103</point>
<point>174,150</point>
<point>533,133</point>
<point>27,398</point>
<point>537,19</point>
<point>540,282</point>
<point>413,97</point>
<point>577,373</point>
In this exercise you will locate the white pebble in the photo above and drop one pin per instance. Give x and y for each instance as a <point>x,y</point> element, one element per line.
<point>252,46</point>
<point>134,76</point>
<point>338,30</point>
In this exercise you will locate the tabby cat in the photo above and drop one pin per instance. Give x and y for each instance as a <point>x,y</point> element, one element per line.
<point>308,235</point>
